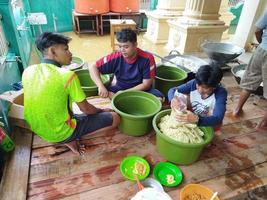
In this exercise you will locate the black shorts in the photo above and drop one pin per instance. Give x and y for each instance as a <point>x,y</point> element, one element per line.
<point>89,123</point>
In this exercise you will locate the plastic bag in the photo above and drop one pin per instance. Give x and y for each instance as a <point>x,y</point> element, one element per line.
<point>179,103</point>
<point>151,194</point>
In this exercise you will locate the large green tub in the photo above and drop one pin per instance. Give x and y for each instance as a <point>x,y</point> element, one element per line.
<point>76,63</point>
<point>178,152</point>
<point>136,109</point>
<point>168,77</point>
<point>88,85</point>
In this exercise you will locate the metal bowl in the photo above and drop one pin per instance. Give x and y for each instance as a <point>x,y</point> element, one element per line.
<point>221,52</point>
<point>238,72</point>
<point>188,62</point>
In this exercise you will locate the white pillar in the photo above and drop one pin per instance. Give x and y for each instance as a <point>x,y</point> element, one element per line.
<point>157,26</point>
<point>171,7</point>
<point>251,12</point>
<point>200,22</point>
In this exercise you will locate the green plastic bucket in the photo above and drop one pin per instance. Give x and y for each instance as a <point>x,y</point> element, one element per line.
<point>136,109</point>
<point>168,77</point>
<point>178,152</point>
<point>88,85</point>
<point>76,64</point>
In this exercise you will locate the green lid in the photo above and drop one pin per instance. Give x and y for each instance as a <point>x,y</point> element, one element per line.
<point>168,174</point>
<point>130,163</point>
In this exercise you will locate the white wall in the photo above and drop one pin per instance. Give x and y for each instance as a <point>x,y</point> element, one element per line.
<point>252,10</point>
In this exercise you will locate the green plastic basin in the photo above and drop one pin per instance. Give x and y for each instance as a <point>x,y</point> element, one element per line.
<point>76,64</point>
<point>168,77</point>
<point>88,85</point>
<point>136,109</point>
<point>178,152</point>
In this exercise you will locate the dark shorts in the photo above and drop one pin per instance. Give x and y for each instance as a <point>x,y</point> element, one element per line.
<point>89,123</point>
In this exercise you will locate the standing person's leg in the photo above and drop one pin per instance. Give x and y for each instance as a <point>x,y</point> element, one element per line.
<point>242,100</point>
<point>263,123</point>
<point>90,124</point>
<point>251,79</point>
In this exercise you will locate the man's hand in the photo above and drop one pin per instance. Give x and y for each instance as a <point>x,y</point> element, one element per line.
<point>103,92</point>
<point>187,117</point>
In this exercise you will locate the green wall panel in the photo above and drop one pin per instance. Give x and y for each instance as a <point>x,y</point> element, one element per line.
<point>61,10</point>
<point>13,36</point>
<point>24,38</point>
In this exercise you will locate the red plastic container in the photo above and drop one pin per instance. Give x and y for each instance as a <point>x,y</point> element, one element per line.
<point>92,6</point>
<point>5,141</point>
<point>124,6</point>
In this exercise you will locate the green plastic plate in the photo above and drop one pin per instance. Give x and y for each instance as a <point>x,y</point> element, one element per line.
<point>128,164</point>
<point>164,171</point>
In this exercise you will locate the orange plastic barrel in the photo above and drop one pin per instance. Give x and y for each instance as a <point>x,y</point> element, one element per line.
<point>92,6</point>
<point>124,6</point>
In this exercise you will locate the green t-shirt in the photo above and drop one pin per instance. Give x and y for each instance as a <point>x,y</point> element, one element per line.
<point>46,92</point>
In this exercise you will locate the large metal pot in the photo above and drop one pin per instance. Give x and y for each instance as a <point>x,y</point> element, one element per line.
<point>186,62</point>
<point>221,52</point>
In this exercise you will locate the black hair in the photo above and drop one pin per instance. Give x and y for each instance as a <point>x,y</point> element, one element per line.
<point>48,39</point>
<point>126,35</point>
<point>209,75</point>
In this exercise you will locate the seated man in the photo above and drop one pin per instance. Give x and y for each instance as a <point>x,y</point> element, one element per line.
<point>132,67</point>
<point>49,91</point>
<point>205,97</point>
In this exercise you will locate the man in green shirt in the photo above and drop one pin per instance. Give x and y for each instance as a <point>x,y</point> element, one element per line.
<point>49,91</point>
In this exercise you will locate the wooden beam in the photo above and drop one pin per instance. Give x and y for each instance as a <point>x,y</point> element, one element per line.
<point>15,178</point>
<point>99,167</point>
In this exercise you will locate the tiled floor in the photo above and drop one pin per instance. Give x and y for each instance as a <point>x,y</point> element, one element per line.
<point>90,47</point>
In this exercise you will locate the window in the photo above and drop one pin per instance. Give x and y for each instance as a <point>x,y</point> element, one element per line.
<point>3,42</point>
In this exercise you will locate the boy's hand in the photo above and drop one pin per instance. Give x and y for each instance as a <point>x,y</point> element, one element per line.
<point>103,92</point>
<point>187,117</point>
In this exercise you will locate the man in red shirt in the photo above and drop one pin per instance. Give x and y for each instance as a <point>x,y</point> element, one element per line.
<point>132,67</point>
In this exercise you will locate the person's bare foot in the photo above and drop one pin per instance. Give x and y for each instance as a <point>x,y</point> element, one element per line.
<point>237,112</point>
<point>262,125</point>
<point>75,147</point>
<point>110,95</point>
<point>264,129</point>
<point>81,147</point>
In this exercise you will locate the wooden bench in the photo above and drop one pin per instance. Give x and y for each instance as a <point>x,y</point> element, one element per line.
<point>92,25</point>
